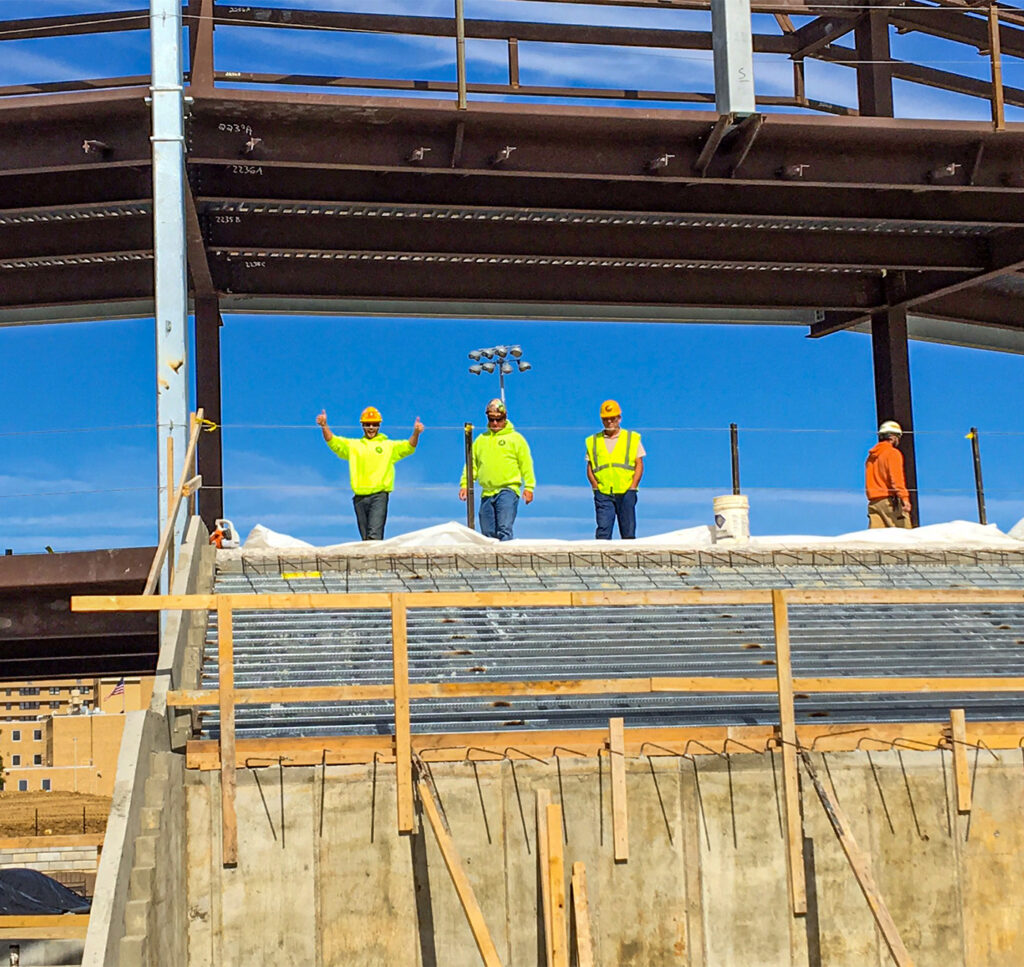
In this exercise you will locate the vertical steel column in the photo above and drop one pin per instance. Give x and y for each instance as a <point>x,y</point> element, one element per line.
<point>874,73</point>
<point>172,378</point>
<point>211,464</point>
<point>892,388</point>
<point>733,48</point>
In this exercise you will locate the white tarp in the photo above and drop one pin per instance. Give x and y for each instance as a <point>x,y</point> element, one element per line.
<point>957,533</point>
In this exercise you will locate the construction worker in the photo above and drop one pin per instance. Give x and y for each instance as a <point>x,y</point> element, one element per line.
<point>886,487</point>
<point>371,467</point>
<point>501,465</point>
<point>615,464</point>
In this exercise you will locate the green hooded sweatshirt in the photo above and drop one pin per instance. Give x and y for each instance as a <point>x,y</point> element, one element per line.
<point>501,460</point>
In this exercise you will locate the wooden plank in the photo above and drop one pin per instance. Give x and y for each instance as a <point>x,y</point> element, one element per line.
<point>587,743</point>
<point>556,888</point>
<point>470,906</point>
<point>543,801</point>
<point>403,730</point>
<point>226,674</point>
<point>961,773</point>
<point>194,698</point>
<point>164,544</point>
<point>790,779</point>
<point>506,599</point>
<point>861,866</point>
<point>80,840</point>
<point>65,926</point>
<point>998,98</point>
<point>581,913</point>
<point>620,813</point>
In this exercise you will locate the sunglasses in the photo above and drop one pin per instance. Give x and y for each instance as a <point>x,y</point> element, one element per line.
<point>496,419</point>
<point>371,424</point>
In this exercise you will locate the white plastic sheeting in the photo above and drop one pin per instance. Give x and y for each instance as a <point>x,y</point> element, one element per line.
<point>957,533</point>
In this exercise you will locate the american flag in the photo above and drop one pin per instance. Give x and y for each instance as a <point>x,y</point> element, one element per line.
<point>118,689</point>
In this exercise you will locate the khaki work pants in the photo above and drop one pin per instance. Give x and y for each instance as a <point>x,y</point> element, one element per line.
<point>887,512</point>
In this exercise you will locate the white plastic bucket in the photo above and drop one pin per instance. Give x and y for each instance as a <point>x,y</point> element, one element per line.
<point>732,518</point>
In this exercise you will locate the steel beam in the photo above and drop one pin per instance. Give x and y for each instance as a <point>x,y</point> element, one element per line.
<point>892,387</point>
<point>734,57</point>
<point>874,75</point>
<point>208,397</point>
<point>170,270</point>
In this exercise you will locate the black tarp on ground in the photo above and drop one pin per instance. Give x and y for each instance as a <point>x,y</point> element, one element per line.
<point>31,893</point>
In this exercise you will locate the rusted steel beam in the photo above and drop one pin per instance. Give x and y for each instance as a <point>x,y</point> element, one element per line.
<point>820,33</point>
<point>928,76</point>
<point>208,397</point>
<point>936,205</point>
<point>874,73</point>
<point>552,33</point>
<point>99,83</point>
<point>485,231</point>
<point>76,24</point>
<point>87,283</point>
<point>126,565</point>
<point>482,278</point>
<point>75,236</point>
<point>955,25</point>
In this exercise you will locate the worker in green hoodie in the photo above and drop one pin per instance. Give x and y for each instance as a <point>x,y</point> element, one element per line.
<point>502,464</point>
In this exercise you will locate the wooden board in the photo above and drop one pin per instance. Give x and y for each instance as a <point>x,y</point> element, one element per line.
<point>790,779</point>
<point>66,926</point>
<point>584,947</point>
<point>470,906</point>
<point>226,671</point>
<point>620,812</point>
<point>543,801</point>
<point>588,743</point>
<point>961,772</point>
<point>556,887</point>
<point>403,731</point>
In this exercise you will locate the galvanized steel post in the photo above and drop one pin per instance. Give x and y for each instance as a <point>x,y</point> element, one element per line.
<point>170,278</point>
<point>733,48</point>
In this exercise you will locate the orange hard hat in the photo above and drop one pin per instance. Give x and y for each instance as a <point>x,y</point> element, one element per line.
<point>370,415</point>
<point>610,408</point>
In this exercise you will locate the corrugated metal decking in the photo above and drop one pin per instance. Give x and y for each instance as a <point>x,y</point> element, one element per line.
<point>494,644</point>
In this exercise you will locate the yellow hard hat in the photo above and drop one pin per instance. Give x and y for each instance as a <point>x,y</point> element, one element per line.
<point>890,426</point>
<point>370,415</point>
<point>610,408</point>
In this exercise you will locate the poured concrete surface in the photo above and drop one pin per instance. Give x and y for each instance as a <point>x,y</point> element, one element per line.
<point>359,894</point>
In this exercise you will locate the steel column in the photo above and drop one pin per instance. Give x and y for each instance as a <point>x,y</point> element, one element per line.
<point>733,45</point>
<point>892,388</point>
<point>874,73</point>
<point>208,381</point>
<point>170,271</point>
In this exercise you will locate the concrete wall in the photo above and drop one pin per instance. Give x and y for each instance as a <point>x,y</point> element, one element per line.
<point>136,897</point>
<point>359,894</point>
<point>36,855</point>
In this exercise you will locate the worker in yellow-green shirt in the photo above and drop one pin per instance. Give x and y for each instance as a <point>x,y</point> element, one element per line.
<point>502,464</point>
<point>371,467</point>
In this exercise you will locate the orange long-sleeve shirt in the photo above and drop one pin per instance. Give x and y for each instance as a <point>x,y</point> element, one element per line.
<point>883,472</point>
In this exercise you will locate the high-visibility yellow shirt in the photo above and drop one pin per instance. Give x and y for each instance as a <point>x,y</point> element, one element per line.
<point>501,460</point>
<point>614,470</point>
<point>371,463</point>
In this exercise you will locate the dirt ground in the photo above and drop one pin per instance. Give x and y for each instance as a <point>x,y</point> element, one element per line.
<point>51,813</point>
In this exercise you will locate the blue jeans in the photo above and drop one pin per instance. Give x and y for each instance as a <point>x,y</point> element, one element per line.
<point>498,514</point>
<point>608,507</point>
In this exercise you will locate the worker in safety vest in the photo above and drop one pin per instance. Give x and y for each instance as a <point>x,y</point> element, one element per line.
<point>371,467</point>
<point>502,463</point>
<point>884,481</point>
<point>615,464</point>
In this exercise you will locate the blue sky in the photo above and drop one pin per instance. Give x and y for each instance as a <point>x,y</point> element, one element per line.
<point>78,446</point>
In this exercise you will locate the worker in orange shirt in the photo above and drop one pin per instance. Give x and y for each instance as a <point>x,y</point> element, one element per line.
<point>886,486</point>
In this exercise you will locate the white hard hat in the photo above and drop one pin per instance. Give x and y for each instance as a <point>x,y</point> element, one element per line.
<point>890,426</point>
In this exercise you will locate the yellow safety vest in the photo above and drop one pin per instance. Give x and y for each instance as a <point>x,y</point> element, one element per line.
<point>614,471</point>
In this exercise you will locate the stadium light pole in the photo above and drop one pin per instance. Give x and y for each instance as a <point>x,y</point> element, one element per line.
<point>506,359</point>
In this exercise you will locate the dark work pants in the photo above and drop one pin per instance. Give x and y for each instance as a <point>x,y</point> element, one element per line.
<point>608,507</point>
<point>371,513</point>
